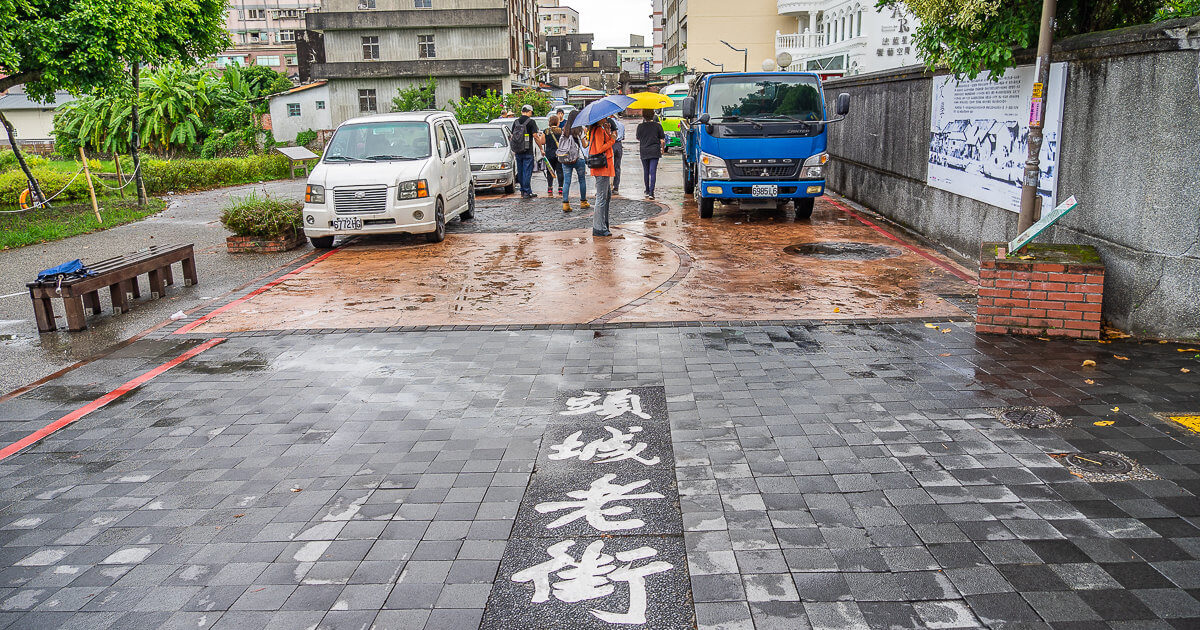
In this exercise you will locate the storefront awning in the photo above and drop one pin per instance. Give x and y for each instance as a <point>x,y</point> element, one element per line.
<point>671,71</point>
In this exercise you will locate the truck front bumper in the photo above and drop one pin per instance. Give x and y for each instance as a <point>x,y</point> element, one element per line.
<point>788,189</point>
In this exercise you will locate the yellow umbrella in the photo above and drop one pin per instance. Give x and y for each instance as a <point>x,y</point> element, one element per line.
<point>650,100</point>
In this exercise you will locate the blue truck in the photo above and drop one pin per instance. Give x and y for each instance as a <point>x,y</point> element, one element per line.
<point>758,138</point>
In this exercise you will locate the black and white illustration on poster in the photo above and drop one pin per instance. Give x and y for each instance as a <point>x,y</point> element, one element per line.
<point>979,130</point>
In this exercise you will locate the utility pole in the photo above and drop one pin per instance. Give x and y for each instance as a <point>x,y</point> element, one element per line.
<point>1031,201</point>
<point>745,52</point>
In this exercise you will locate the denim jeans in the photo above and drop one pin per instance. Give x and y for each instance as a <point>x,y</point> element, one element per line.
<point>580,172</point>
<point>525,172</point>
<point>600,211</point>
<point>650,174</point>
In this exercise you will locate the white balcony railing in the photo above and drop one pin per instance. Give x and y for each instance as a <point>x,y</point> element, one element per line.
<point>798,41</point>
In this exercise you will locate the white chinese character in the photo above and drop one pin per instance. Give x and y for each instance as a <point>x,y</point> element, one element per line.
<point>615,404</point>
<point>612,449</point>
<point>591,577</point>
<point>591,504</point>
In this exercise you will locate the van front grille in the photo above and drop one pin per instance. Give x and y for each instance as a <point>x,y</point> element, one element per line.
<point>360,200</point>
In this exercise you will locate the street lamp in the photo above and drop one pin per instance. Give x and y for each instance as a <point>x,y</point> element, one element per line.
<point>744,51</point>
<point>719,65</point>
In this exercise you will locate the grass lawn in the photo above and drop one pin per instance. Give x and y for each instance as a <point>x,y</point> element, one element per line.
<point>43,225</point>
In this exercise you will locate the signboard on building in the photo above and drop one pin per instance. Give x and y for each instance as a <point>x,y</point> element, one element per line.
<point>978,136</point>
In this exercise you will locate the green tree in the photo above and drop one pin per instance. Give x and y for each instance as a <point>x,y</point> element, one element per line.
<point>970,36</point>
<point>529,96</point>
<point>1172,9</point>
<point>82,45</point>
<point>478,109</point>
<point>263,81</point>
<point>416,97</point>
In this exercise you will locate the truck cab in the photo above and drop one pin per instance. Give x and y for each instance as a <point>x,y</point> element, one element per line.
<point>758,138</point>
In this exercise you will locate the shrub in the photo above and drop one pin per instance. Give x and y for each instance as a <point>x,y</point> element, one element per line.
<point>173,175</point>
<point>416,97</point>
<point>478,109</point>
<point>306,137</point>
<point>262,217</point>
<point>8,161</point>
<point>13,182</point>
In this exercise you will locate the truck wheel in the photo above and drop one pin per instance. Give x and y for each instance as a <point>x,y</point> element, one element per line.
<point>689,182</point>
<point>706,207</point>
<point>321,242</point>
<point>804,208</point>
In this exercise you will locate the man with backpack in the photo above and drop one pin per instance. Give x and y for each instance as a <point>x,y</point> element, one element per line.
<point>524,135</point>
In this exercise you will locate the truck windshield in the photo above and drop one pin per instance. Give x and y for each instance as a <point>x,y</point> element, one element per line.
<point>378,141</point>
<point>796,97</point>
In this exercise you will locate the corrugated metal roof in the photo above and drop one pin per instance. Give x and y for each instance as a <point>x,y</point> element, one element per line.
<point>19,100</point>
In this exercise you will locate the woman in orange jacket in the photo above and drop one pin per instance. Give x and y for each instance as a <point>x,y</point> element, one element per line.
<point>601,141</point>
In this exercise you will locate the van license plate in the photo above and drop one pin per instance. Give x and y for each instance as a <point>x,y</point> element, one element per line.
<point>347,223</point>
<point>764,190</point>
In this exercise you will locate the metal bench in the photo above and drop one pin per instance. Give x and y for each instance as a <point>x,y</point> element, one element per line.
<point>120,276</point>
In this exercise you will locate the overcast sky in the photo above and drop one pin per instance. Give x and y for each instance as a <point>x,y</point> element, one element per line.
<point>612,21</point>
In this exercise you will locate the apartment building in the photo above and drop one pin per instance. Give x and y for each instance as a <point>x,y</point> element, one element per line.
<point>370,49</point>
<point>693,30</point>
<point>632,57</point>
<point>657,22</point>
<point>556,19</point>
<point>264,33</point>
<point>572,61</point>
<point>846,37</point>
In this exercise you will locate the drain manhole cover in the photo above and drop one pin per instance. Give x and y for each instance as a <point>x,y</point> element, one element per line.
<point>842,251</point>
<point>1031,417</point>
<point>1102,463</point>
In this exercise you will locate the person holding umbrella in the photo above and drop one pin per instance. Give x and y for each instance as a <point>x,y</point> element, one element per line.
<point>601,139</point>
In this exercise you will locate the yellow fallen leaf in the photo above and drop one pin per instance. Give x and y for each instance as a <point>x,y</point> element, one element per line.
<point>1187,350</point>
<point>1117,356</point>
<point>837,310</point>
<point>1116,408</point>
<point>1025,257</point>
<point>1043,339</point>
<point>946,354</point>
<point>1104,423</point>
<point>1089,381</point>
<point>931,325</point>
<point>1089,363</point>
<point>1184,370</point>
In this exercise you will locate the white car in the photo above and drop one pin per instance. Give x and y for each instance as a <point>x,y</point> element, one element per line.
<point>492,161</point>
<point>406,173</point>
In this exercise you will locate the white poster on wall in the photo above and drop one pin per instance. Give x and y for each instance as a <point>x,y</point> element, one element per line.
<point>978,135</point>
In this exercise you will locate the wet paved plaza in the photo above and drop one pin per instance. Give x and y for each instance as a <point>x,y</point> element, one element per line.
<point>747,457</point>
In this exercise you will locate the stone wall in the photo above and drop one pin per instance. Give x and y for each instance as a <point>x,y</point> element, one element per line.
<point>1130,154</point>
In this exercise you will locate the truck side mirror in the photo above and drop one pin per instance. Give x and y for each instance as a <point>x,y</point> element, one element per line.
<point>843,104</point>
<point>689,107</point>
<point>704,118</point>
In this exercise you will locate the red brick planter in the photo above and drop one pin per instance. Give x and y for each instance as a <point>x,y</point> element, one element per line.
<point>257,245</point>
<point>1056,293</point>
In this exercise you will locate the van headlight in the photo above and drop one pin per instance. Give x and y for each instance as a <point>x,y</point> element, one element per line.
<point>495,166</point>
<point>416,189</point>
<point>712,167</point>
<point>814,167</point>
<point>314,194</point>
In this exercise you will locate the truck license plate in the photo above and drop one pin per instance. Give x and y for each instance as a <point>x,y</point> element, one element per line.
<point>347,223</point>
<point>764,190</point>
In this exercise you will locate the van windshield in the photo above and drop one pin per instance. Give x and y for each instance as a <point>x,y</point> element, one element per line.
<point>379,141</point>
<point>795,97</point>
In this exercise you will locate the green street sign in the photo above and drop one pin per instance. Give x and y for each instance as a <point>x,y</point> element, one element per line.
<point>1037,228</point>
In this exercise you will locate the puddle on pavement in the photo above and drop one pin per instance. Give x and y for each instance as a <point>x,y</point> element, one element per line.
<point>842,251</point>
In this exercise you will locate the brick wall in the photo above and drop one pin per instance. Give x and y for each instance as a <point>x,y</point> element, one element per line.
<point>251,244</point>
<point>1058,292</point>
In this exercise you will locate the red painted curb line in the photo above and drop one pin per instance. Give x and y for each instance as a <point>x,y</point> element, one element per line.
<point>941,263</point>
<point>190,325</point>
<point>125,388</point>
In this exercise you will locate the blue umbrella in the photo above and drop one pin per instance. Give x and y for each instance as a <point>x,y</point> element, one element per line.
<point>603,108</point>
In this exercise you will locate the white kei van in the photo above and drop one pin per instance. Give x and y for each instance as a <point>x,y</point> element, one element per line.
<point>405,173</point>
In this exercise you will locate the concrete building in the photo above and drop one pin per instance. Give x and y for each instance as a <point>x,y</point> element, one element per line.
<point>33,122</point>
<point>300,109</point>
<point>693,31</point>
<point>846,37</point>
<point>264,33</point>
<point>370,49</point>
<point>572,60</point>
<point>632,57</point>
<point>555,19</point>
<point>658,22</point>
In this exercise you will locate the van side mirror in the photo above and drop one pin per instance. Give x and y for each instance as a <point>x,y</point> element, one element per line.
<point>704,118</point>
<point>843,104</point>
<point>689,107</point>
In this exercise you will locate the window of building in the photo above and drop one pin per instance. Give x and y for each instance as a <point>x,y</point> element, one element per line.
<point>582,46</point>
<point>563,81</point>
<point>256,14</point>
<point>268,60</point>
<point>366,4</point>
<point>319,104</point>
<point>255,37</point>
<point>287,13</point>
<point>367,102</point>
<point>860,23</point>
<point>290,59</point>
<point>585,81</point>
<point>554,61</point>
<point>370,47</point>
<point>423,4</point>
<point>851,33</point>
<point>287,36</point>
<point>293,109</point>
<point>425,48</point>
<point>595,64</point>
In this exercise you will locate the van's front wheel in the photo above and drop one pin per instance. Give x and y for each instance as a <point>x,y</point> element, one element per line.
<point>439,231</point>
<point>321,242</point>
<point>706,207</point>
<point>804,208</point>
